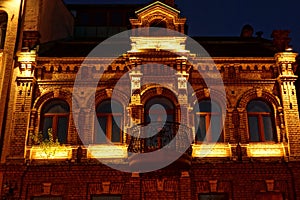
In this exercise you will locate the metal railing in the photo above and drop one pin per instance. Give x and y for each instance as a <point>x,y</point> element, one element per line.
<point>151,137</point>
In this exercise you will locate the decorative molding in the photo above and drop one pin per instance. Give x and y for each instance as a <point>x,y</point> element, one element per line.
<point>211,150</point>
<point>286,57</point>
<point>213,185</point>
<point>107,151</point>
<point>46,188</point>
<point>265,150</point>
<point>270,185</point>
<point>106,187</point>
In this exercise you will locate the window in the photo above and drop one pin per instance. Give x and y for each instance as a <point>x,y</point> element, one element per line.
<point>159,23</point>
<point>56,117</point>
<point>110,119</point>
<point>3,25</point>
<point>213,196</point>
<point>107,197</point>
<point>208,122</point>
<point>46,198</point>
<point>260,121</point>
<point>160,118</point>
<point>159,109</point>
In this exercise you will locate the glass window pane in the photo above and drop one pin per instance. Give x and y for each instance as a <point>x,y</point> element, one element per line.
<point>159,107</point>
<point>57,106</point>
<point>258,106</point>
<point>47,124</point>
<point>268,129</point>
<point>57,109</point>
<point>213,196</point>
<point>253,129</point>
<point>209,106</point>
<point>109,106</point>
<point>215,128</point>
<point>102,122</point>
<point>116,131</point>
<point>62,128</point>
<point>201,131</point>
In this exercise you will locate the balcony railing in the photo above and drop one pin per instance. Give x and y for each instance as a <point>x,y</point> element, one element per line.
<point>151,137</point>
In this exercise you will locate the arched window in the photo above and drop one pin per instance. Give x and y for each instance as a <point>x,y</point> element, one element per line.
<point>159,109</point>
<point>110,119</point>
<point>56,117</point>
<point>3,26</point>
<point>208,123</point>
<point>159,117</point>
<point>158,23</point>
<point>260,121</point>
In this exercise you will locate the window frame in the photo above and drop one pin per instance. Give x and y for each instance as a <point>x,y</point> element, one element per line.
<point>109,116</point>
<point>260,123</point>
<point>55,119</point>
<point>208,116</point>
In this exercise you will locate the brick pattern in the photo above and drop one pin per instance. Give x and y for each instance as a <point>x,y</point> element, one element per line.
<point>238,176</point>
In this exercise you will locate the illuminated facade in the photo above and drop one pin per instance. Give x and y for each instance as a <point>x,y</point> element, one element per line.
<point>257,155</point>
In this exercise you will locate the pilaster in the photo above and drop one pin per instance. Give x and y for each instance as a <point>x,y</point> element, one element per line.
<point>22,113</point>
<point>285,62</point>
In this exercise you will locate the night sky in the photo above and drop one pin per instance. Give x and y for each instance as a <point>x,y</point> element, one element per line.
<point>227,17</point>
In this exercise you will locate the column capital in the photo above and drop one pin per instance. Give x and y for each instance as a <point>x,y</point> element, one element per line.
<point>285,57</point>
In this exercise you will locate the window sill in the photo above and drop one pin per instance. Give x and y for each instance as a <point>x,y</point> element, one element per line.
<point>107,151</point>
<point>265,149</point>
<point>211,150</point>
<point>49,153</point>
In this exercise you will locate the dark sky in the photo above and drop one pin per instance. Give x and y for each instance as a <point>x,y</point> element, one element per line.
<point>226,17</point>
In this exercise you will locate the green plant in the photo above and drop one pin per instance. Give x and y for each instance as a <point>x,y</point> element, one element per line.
<point>48,146</point>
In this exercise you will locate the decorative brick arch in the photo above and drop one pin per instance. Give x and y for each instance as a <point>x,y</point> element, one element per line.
<point>169,21</point>
<point>204,93</point>
<point>265,96</point>
<point>159,91</point>
<point>43,100</point>
<point>63,95</point>
<point>105,94</point>
<point>258,94</point>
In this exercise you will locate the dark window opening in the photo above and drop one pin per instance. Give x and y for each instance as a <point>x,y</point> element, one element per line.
<point>55,118</point>
<point>221,196</point>
<point>208,122</point>
<point>106,197</point>
<point>160,119</point>
<point>3,26</point>
<point>110,119</point>
<point>260,121</point>
<point>160,26</point>
<point>159,109</point>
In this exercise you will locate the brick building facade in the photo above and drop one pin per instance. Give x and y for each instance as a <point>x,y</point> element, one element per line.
<point>51,143</point>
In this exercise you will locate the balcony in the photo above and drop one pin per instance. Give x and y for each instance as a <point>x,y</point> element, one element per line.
<point>171,140</point>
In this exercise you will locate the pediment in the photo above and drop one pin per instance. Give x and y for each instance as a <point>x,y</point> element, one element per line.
<point>159,12</point>
<point>155,5</point>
